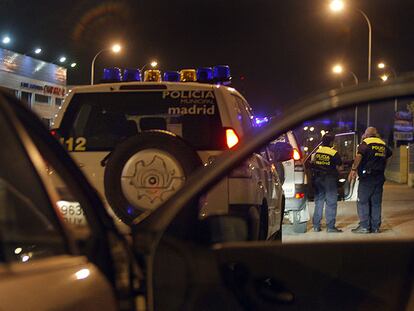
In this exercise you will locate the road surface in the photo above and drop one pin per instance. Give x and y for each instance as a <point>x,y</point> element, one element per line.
<point>397,216</point>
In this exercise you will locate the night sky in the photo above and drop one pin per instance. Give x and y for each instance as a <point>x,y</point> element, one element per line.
<point>283,49</point>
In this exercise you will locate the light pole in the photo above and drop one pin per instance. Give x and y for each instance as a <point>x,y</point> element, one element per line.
<point>338,6</point>
<point>153,64</point>
<point>338,70</point>
<point>116,48</point>
<point>384,77</point>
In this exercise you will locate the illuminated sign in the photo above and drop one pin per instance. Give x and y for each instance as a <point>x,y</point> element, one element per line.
<point>47,89</point>
<point>54,90</point>
<point>32,68</point>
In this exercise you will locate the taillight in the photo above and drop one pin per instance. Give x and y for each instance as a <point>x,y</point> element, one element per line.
<point>296,155</point>
<point>231,138</point>
<point>299,195</point>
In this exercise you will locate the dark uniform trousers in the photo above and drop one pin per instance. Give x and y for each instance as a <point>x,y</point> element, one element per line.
<point>326,190</point>
<point>369,200</point>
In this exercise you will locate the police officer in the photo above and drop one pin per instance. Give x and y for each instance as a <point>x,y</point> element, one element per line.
<point>325,164</point>
<point>370,163</point>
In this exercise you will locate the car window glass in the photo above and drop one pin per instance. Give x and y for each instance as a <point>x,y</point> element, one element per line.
<point>243,113</point>
<point>28,224</point>
<point>253,190</point>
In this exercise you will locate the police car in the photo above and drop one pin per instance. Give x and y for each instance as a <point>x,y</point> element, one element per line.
<point>293,175</point>
<point>137,142</point>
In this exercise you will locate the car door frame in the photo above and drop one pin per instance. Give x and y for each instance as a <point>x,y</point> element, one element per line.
<point>152,225</point>
<point>61,266</point>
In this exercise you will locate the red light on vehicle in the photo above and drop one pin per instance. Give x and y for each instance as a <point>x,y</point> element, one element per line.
<point>296,155</point>
<point>299,195</point>
<point>231,138</point>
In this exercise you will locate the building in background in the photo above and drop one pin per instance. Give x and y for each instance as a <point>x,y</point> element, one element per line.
<point>41,85</point>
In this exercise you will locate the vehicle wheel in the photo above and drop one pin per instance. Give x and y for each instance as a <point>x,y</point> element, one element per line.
<point>253,219</point>
<point>298,227</point>
<point>264,221</point>
<point>145,170</point>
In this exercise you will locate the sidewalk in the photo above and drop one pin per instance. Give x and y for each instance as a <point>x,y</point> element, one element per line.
<point>397,217</point>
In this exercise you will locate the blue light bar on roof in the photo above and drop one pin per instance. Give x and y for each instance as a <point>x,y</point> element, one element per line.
<point>112,75</point>
<point>172,76</point>
<point>205,75</point>
<point>221,74</point>
<point>131,75</point>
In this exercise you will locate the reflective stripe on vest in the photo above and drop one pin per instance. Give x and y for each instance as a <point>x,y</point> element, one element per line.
<point>373,140</point>
<point>327,150</point>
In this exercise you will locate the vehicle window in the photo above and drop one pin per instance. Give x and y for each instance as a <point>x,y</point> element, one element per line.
<point>293,210</point>
<point>243,113</point>
<point>97,122</point>
<point>29,227</point>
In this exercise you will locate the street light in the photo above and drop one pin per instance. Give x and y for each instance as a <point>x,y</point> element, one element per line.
<point>116,48</point>
<point>6,40</point>
<point>384,77</point>
<point>73,65</point>
<point>38,50</point>
<point>337,6</point>
<point>62,59</point>
<point>153,64</point>
<point>383,66</point>
<point>339,69</point>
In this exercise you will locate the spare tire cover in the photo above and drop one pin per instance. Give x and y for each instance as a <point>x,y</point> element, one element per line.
<point>145,170</point>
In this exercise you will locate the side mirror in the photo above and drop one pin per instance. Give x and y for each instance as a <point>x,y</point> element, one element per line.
<point>282,151</point>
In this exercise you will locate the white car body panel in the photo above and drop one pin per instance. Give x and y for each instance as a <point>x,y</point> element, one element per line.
<point>55,283</point>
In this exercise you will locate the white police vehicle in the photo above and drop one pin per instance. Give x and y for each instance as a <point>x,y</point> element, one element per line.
<point>137,142</point>
<point>294,184</point>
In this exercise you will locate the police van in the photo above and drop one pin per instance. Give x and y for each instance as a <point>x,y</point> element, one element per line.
<point>138,141</point>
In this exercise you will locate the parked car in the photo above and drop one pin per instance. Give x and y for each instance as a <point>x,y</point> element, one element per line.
<point>47,263</point>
